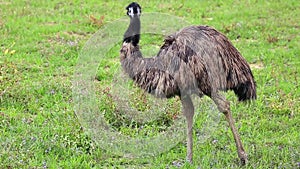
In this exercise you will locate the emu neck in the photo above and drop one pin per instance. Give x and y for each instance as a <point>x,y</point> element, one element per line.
<point>132,35</point>
<point>135,25</point>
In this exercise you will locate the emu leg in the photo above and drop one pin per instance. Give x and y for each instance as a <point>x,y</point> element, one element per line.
<point>188,111</point>
<point>224,107</point>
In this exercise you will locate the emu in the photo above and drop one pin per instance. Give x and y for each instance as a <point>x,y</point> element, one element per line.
<point>195,60</point>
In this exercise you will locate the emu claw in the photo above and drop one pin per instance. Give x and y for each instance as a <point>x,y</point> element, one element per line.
<point>244,158</point>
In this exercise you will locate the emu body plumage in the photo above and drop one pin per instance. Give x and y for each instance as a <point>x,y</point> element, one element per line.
<point>164,74</point>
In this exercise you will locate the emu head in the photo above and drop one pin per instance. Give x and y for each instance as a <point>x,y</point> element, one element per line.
<point>133,9</point>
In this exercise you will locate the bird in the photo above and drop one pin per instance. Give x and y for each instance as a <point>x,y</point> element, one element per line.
<point>196,60</point>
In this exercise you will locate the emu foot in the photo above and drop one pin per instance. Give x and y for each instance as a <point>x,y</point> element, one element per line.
<point>189,159</point>
<point>243,157</point>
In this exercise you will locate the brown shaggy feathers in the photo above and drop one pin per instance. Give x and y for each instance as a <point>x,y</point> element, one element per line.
<point>196,59</point>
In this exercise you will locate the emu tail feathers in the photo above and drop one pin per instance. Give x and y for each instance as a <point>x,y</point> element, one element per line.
<point>245,91</point>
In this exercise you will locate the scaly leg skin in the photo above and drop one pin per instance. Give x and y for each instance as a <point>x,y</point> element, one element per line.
<point>224,107</point>
<point>188,111</point>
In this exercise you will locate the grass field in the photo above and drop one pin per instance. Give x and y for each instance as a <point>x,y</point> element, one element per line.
<point>40,43</point>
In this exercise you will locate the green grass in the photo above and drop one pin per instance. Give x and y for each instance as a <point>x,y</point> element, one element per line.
<point>39,48</point>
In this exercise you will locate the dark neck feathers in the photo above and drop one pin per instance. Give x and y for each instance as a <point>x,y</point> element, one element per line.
<point>132,35</point>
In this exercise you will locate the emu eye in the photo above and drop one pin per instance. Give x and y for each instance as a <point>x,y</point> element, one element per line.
<point>138,11</point>
<point>130,12</point>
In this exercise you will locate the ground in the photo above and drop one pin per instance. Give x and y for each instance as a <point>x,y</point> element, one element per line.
<point>39,49</point>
